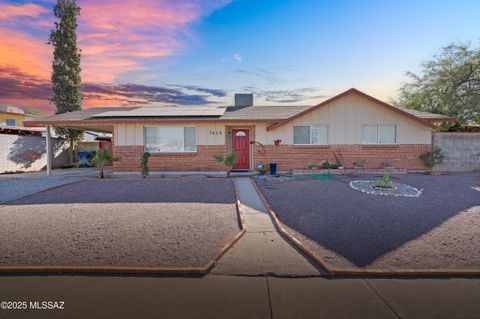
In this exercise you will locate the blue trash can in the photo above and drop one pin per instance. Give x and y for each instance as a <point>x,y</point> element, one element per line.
<point>83,157</point>
<point>273,168</point>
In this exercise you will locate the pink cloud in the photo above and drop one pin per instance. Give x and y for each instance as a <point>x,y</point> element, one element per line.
<point>123,35</point>
<point>10,11</point>
<point>117,37</point>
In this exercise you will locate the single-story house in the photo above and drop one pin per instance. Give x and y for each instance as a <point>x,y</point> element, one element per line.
<point>351,126</point>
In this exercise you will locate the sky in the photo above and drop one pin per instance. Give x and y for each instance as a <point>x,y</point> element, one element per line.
<point>200,52</point>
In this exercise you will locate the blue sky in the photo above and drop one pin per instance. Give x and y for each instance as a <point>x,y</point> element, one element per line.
<point>292,52</point>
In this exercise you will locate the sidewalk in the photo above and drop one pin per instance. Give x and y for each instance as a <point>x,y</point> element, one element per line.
<point>262,251</point>
<point>216,296</point>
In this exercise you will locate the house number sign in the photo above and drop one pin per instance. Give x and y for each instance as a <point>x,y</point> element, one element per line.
<point>215,132</point>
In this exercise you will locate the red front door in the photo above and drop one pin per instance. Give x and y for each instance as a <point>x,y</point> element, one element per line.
<point>241,147</point>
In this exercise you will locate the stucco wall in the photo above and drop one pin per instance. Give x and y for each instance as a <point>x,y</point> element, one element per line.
<point>345,118</point>
<point>28,153</point>
<point>461,151</point>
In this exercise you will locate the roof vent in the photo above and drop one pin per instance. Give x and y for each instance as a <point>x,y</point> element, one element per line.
<point>243,100</point>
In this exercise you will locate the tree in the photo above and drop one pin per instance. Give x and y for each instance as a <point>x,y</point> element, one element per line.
<point>100,158</point>
<point>228,160</point>
<point>66,81</point>
<point>449,84</point>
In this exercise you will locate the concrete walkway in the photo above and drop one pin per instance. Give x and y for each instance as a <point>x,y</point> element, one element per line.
<point>262,251</point>
<point>243,297</point>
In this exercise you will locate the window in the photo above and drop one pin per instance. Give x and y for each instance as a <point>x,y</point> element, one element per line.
<point>170,139</point>
<point>10,122</point>
<point>379,134</point>
<point>310,135</point>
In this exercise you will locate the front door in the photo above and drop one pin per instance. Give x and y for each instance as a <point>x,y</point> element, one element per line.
<point>241,147</point>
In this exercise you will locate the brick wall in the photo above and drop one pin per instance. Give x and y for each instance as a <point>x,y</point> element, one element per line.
<point>289,157</point>
<point>202,160</point>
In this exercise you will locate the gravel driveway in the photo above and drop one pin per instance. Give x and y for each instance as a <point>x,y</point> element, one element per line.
<point>350,229</point>
<point>144,223</point>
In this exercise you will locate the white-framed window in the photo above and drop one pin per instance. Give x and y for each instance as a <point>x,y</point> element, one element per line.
<point>379,134</point>
<point>310,134</point>
<point>165,139</point>
<point>11,122</point>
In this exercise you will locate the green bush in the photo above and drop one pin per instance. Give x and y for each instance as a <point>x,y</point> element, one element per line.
<point>433,157</point>
<point>383,182</point>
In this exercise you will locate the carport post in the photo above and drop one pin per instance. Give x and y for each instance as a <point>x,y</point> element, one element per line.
<point>49,150</point>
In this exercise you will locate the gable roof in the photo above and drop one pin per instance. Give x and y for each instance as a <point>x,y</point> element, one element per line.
<point>424,118</point>
<point>278,115</point>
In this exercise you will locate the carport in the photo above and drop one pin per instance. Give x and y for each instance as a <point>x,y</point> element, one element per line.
<point>79,120</point>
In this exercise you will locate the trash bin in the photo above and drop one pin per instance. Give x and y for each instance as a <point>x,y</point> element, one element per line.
<point>273,168</point>
<point>83,158</point>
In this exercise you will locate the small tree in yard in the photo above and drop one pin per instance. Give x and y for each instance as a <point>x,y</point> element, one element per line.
<point>100,159</point>
<point>66,81</point>
<point>228,160</point>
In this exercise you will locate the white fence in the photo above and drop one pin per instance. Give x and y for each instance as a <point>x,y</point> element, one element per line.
<point>28,153</point>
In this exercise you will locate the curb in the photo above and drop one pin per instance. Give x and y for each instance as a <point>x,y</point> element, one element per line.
<point>133,270</point>
<point>354,272</point>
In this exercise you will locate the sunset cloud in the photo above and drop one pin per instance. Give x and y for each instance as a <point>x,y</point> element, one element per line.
<point>116,38</point>
<point>11,11</point>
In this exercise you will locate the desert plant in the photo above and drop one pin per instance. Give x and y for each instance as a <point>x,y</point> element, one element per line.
<point>99,159</point>
<point>433,157</point>
<point>312,166</point>
<point>385,164</point>
<point>327,165</point>
<point>383,182</point>
<point>359,164</point>
<point>144,164</point>
<point>228,160</point>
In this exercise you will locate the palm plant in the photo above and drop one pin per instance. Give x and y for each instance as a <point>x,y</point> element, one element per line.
<point>100,159</point>
<point>228,160</point>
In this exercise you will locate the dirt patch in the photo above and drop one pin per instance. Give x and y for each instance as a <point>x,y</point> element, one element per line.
<point>76,230</point>
<point>349,230</point>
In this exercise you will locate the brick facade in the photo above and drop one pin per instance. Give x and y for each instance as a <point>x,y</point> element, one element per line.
<point>202,160</point>
<point>290,157</point>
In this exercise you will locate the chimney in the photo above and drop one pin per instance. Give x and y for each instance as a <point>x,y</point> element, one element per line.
<point>243,100</point>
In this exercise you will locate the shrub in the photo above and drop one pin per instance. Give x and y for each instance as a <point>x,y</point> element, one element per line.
<point>228,160</point>
<point>433,157</point>
<point>144,164</point>
<point>385,164</point>
<point>383,182</point>
<point>99,159</point>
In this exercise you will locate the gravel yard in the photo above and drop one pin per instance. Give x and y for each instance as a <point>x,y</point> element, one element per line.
<point>138,223</point>
<point>351,230</point>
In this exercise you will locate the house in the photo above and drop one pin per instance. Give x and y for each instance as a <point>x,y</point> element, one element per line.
<point>352,126</point>
<point>13,116</point>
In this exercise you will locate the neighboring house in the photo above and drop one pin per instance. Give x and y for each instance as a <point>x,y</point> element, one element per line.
<point>352,125</point>
<point>13,116</point>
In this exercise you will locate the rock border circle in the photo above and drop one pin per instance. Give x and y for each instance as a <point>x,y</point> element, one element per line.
<point>403,190</point>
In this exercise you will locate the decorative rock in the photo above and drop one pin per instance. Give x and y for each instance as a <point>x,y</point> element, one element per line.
<point>398,190</point>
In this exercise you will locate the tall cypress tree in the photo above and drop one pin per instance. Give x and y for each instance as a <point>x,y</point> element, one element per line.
<point>66,81</point>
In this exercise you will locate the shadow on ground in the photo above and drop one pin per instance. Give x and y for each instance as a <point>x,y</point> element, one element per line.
<point>364,227</point>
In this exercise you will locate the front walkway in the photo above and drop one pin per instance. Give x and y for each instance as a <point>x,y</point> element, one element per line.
<point>262,251</point>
